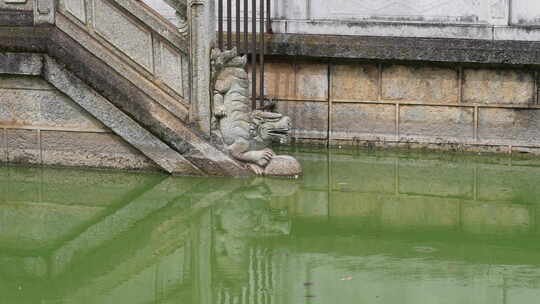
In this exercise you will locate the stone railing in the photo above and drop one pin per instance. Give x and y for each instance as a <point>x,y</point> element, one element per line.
<point>143,39</point>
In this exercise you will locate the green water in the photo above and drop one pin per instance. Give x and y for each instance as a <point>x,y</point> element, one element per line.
<point>359,228</point>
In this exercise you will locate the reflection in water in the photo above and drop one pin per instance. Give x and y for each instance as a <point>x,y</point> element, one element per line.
<point>369,227</point>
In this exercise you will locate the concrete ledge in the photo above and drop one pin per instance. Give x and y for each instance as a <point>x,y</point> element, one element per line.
<point>21,64</point>
<point>16,18</point>
<point>418,30</point>
<point>24,39</point>
<point>384,29</point>
<point>404,48</point>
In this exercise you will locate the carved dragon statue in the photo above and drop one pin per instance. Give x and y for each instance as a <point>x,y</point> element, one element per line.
<point>247,134</point>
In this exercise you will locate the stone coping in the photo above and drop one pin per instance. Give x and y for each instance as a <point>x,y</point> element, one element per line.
<point>474,51</point>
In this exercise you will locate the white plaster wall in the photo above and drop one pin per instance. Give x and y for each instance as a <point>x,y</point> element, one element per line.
<point>465,19</point>
<point>525,12</point>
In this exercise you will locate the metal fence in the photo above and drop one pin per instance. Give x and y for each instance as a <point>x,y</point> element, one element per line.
<point>246,41</point>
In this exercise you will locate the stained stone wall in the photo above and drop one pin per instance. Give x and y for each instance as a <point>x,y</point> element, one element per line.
<point>408,105</point>
<point>41,126</point>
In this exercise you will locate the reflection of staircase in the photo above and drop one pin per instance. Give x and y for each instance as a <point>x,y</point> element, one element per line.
<point>128,67</point>
<point>153,231</point>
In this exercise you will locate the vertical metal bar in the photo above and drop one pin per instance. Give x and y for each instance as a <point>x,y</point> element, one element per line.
<point>246,26</point>
<point>238,25</point>
<point>220,24</point>
<point>261,60</point>
<point>254,54</point>
<point>229,24</point>
<point>269,16</point>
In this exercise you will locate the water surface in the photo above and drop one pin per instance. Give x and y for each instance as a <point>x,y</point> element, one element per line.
<point>360,227</point>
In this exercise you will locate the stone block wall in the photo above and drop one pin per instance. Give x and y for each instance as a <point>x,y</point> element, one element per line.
<point>395,104</point>
<point>41,126</point>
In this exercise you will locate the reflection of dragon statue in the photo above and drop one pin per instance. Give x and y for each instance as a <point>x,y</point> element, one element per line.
<point>243,220</point>
<point>246,134</point>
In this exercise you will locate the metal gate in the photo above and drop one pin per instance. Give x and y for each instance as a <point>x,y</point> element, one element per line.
<point>247,38</point>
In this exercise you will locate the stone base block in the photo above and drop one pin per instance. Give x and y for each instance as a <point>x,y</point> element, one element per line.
<point>23,147</point>
<point>98,150</point>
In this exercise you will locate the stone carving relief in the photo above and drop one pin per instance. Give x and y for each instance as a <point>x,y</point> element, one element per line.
<point>243,133</point>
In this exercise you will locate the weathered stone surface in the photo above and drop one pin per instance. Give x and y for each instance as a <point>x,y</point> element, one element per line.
<point>312,81</point>
<point>76,8</point>
<point>96,150</point>
<point>495,218</point>
<point>16,17</point>
<point>498,86</point>
<point>21,64</point>
<point>509,125</point>
<point>426,84</point>
<point>113,25</point>
<point>23,146</point>
<point>411,49</point>
<point>59,110</point>
<point>3,147</point>
<point>401,10</point>
<point>43,108</point>
<point>355,82</point>
<point>24,82</point>
<point>16,5</point>
<point>374,121</point>
<point>525,13</point>
<point>435,179</point>
<point>283,165</point>
<point>44,12</point>
<point>119,122</point>
<point>163,27</point>
<point>141,100</point>
<point>314,125</point>
<point>295,81</point>
<point>107,70</point>
<point>171,70</point>
<point>280,80</point>
<point>516,33</point>
<point>24,39</point>
<point>445,124</point>
<point>18,107</point>
<point>372,175</point>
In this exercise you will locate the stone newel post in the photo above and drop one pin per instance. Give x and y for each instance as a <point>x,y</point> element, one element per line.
<point>44,12</point>
<point>202,21</point>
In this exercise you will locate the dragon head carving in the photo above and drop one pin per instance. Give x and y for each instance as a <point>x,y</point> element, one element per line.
<point>268,127</point>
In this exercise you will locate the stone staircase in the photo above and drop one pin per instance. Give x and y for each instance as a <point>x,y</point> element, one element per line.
<point>128,67</point>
